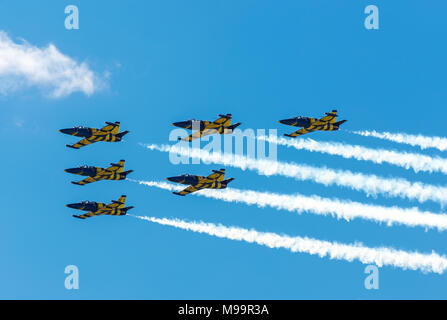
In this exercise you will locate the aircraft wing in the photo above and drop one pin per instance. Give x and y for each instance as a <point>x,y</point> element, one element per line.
<point>113,128</point>
<point>190,189</point>
<point>87,180</point>
<point>84,142</point>
<point>217,175</point>
<point>302,131</point>
<point>118,167</point>
<point>86,215</point>
<point>117,204</point>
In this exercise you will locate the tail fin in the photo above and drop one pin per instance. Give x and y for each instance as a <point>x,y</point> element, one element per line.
<point>219,175</point>
<point>115,126</point>
<point>120,202</point>
<point>118,166</point>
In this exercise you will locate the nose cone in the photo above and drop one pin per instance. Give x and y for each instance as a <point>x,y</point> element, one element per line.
<point>288,122</point>
<point>74,205</point>
<point>177,179</point>
<point>73,170</point>
<point>69,131</point>
<point>182,124</point>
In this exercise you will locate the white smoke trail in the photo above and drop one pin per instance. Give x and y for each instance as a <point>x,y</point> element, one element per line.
<point>380,256</point>
<point>370,184</point>
<point>417,162</point>
<point>346,210</point>
<point>423,142</point>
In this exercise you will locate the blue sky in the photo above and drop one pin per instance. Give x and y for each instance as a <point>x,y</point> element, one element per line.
<point>173,60</point>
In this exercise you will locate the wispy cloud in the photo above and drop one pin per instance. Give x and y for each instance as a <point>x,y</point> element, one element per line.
<point>369,184</point>
<point>24,65</point>
<point>423,142</point>
<point>333,250</point>
<point>417,162</point>
<point>347,210</point>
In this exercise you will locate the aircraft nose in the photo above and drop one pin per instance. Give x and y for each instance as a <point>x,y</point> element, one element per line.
<point>181,124</point>
<point>174,179</point>
<point>74,205</point>
<point>287,121</point>
<point>73,170</point>
<point>68,131</point>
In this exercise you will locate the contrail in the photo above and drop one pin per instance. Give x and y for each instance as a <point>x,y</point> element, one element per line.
<point>417,162</point>
<point>370,184</point>
<point>347,210</point>
<point>380,256</point>
<point>423,142</point>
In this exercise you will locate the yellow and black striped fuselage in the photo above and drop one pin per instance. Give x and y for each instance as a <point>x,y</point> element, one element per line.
<point>111,175</point>
<point>108,137</point>
<point>111,212</point>
<point>202,182</point>
<point>326,127</point>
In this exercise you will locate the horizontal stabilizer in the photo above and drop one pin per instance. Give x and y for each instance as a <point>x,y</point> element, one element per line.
<point>122,134</point>
<point>234,126</point>
<point>227,181</point>
<point>339,123</point>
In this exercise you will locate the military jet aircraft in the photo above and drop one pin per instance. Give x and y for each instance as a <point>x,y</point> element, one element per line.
<point>220,126</point>
<point>116,208</point>
<point>115,172</point>
<point>213,181</point>
<point>110,133</point>
<point>327,123</point>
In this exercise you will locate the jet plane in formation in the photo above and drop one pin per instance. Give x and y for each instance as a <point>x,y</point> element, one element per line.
<point>115,172</point>
<point>220,126</point>
<point>110,133</point>
<point>327,123</point>
<point>116,208</point>
<point>196,183</point>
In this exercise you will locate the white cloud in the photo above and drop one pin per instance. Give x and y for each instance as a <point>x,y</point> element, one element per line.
<point>25,65</point>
